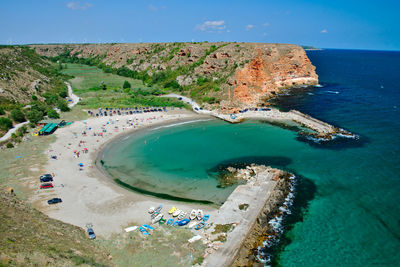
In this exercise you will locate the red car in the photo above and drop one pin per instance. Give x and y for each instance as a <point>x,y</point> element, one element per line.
<point>47,185</point>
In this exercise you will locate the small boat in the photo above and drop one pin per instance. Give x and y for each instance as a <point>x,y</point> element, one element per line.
<point>193,214</point>
<point>170,221</point>
<point>151,210</point>
<point>200,215</point>
<point>200,225</point>
<point>191,224</point>
<point>148,226</point>
<point>182,215</point>
<point>176,213</point>
<point>183,222</point>
<point>154,214</point>
<point>172,210</point>
<point>158,208</point>
<point>157,218</point>
<point>175,223</point>
<point>143,231</point>
<point>206,217</point>
<point>162,221</point>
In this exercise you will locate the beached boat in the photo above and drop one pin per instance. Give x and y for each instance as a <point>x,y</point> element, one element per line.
<point>193,214</point>
<point>191,224</point>
<point>154,214</point>
<point>183,222</point>
<point>200,215</point>
<point>206,217</point>
<point>162,221</point>
<point>200,225</point>
<point>176,213</point>
<point>148,226</point>
<point>170,221</point>
<point>182,215</point>
<point>158,208</point>
<point>172,210</point>
<point>157,218</point>
<point>151,210</point>
<point>143,231</point>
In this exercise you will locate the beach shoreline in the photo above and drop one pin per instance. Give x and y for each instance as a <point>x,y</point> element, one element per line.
<point>89,196</point>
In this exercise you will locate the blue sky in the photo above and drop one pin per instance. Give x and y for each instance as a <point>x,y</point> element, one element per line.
<point>353,24</point>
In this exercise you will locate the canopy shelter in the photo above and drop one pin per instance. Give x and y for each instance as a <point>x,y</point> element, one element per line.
<point>49,128</point>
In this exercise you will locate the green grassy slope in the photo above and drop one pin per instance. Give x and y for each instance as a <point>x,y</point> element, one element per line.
<point>30,238</point>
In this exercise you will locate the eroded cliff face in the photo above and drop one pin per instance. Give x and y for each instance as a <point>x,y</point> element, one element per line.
<point>269,72</point>
<point>238,74</point>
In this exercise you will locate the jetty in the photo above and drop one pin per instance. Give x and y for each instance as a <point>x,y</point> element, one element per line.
<point>241,210</point>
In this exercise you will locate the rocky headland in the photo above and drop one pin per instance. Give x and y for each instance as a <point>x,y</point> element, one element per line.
<point>220,75</point>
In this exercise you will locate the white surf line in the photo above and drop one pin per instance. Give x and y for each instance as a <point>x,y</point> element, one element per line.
<point>177,124</point>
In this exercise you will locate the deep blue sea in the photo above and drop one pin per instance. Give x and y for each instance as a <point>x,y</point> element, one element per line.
<point>347,206</point>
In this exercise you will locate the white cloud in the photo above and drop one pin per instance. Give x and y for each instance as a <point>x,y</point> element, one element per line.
<point>153,8</point>
<point>265,24</point>
<point>324,31</point>
<point>78,5</point>
<point>211,25</point>
<point>249,27</point>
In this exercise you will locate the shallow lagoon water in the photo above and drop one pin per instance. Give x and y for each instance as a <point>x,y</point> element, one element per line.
<point>353,218</point>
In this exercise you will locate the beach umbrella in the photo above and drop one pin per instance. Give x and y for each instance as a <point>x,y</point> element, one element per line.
<point>80,164</point>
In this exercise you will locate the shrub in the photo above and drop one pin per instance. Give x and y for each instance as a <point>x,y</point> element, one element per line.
<point>13,136</point>
<point>5,124</point>
<point>53,114</point>
<point>2,112</point>
<point>51,98</point>
<point>17,115</point>
<point>34,116</point>
<point>34,98</point>
<point>22,130</point>
<point>10,145</point>
<point>62,105</point>
<point>126,85</point>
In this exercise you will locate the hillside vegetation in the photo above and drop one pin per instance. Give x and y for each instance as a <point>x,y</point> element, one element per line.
<point>30,238</point>
<point>223,75</point>
<point>30,88</point>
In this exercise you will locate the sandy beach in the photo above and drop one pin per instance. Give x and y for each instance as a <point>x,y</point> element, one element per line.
<point>88,196</point>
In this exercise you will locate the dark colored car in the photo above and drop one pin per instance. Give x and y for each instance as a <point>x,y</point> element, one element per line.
<point>46,185</point>
<point>91,233</point>
<point>54,201</point>
<point>46,178</point>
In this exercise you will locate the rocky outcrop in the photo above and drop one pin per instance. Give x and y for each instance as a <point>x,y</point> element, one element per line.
<point>239,74</point>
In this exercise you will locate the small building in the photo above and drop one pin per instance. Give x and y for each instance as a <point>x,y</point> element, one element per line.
<point>49,128</point>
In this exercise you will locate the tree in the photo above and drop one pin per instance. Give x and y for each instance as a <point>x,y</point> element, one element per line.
<point>126,85</point>
<point>17,115</point>
<point>5,124</point>
<point>62,105</point>
<point>103,86</point>
<point>34,116</point>
<point>53,114</point>
<point>34,98</point>
<point>2,112</point>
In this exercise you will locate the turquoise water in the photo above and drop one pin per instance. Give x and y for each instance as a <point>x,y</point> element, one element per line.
<point>346,210</point>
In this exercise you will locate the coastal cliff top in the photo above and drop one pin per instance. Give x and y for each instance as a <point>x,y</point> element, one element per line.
<point>221,74</point>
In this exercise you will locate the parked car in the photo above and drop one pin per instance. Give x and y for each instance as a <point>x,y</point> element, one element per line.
<point>91,233</point>
<point>54,201</point>
<point>46,185</point>
<point>46,178</point>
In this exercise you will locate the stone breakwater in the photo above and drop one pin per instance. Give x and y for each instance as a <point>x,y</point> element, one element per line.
<point>313,128</point>
<point>239,226</point>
